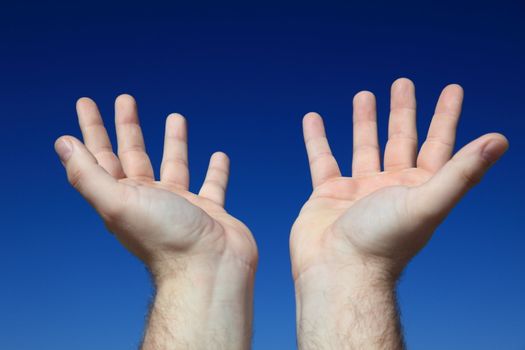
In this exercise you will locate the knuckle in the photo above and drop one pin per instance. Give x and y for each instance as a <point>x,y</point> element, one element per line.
<point>113,211</point>
<point>470,179</point>
<point>217,169</point>
<point>116,209</point>
<point>320,157</point>
<point>75,178</point>
<point>215,183</point>
<point>113,214</point>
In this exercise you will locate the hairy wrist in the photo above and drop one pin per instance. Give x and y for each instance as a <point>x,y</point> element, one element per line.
<point>204,267</point>
<point>343,280</point>
<point>216,296</point>
<point>349,265</point>
<point>346,308</point>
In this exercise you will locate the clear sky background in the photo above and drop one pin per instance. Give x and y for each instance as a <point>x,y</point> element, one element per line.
<point>244,75</point>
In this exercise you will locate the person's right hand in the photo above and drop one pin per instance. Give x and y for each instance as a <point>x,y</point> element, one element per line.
<point>161,222</point>
<point>202,259</point>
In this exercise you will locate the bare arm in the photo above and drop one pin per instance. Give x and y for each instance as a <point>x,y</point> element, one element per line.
<point>355,235</point>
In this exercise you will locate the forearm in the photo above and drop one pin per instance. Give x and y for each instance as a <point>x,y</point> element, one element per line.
<point>342,309</point>
<point>202,306</point>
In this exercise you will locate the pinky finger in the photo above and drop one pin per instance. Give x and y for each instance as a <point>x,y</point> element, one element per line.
<point>216,181</point>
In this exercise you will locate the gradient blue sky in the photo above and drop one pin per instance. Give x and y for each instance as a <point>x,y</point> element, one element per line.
<point>244,75</point>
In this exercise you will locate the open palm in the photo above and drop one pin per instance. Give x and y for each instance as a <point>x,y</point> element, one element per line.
<point>156,220</point>
<point>390,214</point>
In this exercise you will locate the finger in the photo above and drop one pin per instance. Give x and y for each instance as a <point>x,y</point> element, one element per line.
<point>439,145</point>
<point>96,137</point>
<point>365,158</point>
<point>323,165</point>
<point>436,198</point>
<point>94,183</point>
<point>216,181</point>
<point>401,148</point>
<point>174,167</point>
<point>131,148</point>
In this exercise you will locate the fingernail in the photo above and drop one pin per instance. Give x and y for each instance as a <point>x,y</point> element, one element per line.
<point>493,151</point>
<point>64,149</point>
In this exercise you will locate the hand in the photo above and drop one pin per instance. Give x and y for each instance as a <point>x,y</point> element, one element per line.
<point>161,222</point>
<point>355,234</point>
<point>383,218</point>
<point>201,258</point>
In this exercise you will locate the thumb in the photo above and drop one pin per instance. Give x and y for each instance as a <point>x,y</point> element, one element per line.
<point>96,185</point>
<point>441,193</point>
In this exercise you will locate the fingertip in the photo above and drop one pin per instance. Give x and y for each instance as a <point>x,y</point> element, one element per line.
<point>364,96</point>
<point>68,139</point>
<point>123,100</point>
<point>495,147</point>
<point>84,101</point>
<point>125,109</point>
<point>175,118</point>
<point>402,83</point>
<point>175,115</point>
<point>502,138</point>
<point>402,94</point>
<point>450,100</point>
<point>64,148</point>
<point>311,117</point>
<point>455,89</point>
<point>312,124</point>
<point>176,127</point>
<point>364,106</point>
<point>220,156</point>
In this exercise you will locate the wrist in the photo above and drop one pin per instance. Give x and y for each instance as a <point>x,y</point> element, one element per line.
<point>344,307</point>
<point>348,267</point>
<point>342,280</point>
<point>206,269</point>
<point>216,295</point>
<point>224,288</point>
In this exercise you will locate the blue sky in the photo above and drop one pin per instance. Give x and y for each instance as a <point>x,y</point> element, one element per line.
<point>244,75</point>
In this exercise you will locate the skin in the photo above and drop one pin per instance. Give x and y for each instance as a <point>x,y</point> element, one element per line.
<point>201,258</point>
<point>354,235</point>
